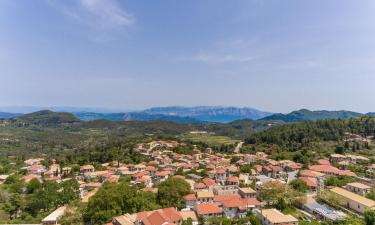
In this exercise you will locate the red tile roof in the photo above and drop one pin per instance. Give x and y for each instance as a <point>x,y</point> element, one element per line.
<point>208,181</point>
<point>310,181</point>
<point>199,185</point>
<point>233,179</point>
<point>159,217</point>
<point>324,162</point>
<point>162,173</point>
<point>222,198</point>
<point>332,170</point>
<point>190,197</point>
<point>208,208</point>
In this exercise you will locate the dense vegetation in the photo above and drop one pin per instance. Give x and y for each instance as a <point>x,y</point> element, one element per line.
<point>301,141</point>
<point>21,202</point>
<point>304,115</point>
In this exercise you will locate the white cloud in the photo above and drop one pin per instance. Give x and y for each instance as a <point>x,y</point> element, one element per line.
<point>218,59</point>
<point>97,14</point>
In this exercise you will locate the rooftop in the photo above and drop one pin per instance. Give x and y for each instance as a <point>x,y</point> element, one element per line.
<point>354,197</point>
<point>275,216</point>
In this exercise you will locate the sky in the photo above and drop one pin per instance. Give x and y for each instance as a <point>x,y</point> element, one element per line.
<point>273,55</point>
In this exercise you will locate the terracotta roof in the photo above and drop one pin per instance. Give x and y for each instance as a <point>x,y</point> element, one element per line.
<point>331,169</point>
<point>208,181</point>
<point>220,170</point>
<point>208,208</point>
<point>241,203</point>
<point>159,217</point>
<point>151,168</point>
<point>179,176</point>
<point>276,168</point>
<point>162,173</point>
<point>310,181</point>
<point>233,179</point>
<point>324,162</point>
<point>310,173</point>
<point>190,197</point>
<point>222,198</point>
<point>199,185</point>
<point>258,168</point>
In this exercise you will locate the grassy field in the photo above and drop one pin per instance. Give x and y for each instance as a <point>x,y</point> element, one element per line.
<point>211,139</point>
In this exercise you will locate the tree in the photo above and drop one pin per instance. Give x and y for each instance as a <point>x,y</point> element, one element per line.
<point>172,191</point>
<point>72,215</point>
<point>33,185</point>
<point>271,192</point>
<point>117,199</point>
<point>299,185</point>
<point>370,217</point>
<point>69,191</point>
<point>371,194</point>
<point>189,221</point>
<point>281,204</point>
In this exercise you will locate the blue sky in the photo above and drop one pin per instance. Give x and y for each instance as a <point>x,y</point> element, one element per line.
<point>275,55</point>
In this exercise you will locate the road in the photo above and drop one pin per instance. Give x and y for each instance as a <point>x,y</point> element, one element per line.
<point>238,147</point>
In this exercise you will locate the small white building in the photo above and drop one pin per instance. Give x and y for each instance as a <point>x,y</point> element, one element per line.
<point>54,216</point>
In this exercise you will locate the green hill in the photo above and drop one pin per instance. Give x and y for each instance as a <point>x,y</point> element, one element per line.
<point>47,117</point>
<point>306,115</point>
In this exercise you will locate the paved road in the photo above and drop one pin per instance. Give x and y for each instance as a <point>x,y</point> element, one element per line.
<point>239,145</point>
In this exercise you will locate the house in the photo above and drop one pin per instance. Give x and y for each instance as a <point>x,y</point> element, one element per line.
<point>3,178</point>
<point>54,216</point>
<point>370,171</point>
<point>232,180</point>
<point>358,188</point>
<point>161,176</point>
<point>219,199</point>
<point>86,169</point>
<point>322,212</point>
<point>208,210</point>
<point>209,183</point>
<point>156,217</point>
<point>66,170</point>
<point>310,173</point>
<point>353,201</point>
<point>312,182</point>
<point>273,171</point>
<point>190,214</point>
<point>199,186</point>
<point>204,196</point>
<point>337,158</point>
<point>190,200</point>
<point>36,169</point>
<point>331,170</point>
<point>247,192</point>
<point>275,217</point>
<point>238,207</point>
<point>220,175</point>
<point>225,190</point>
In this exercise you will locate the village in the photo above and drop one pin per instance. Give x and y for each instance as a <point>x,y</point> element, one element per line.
<point>222,185</point>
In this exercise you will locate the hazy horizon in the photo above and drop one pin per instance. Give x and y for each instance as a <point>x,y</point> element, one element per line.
<point>275,56</point>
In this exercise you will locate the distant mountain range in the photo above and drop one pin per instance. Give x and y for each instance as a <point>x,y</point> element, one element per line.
<point>7,115</point>
<point>304,115</point>
<point>193,115</point>
<point>198,114</point>
<point>210,113</point>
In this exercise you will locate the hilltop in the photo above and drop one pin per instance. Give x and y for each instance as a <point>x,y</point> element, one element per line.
<point>47,117</point>
<point>305,115</point>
